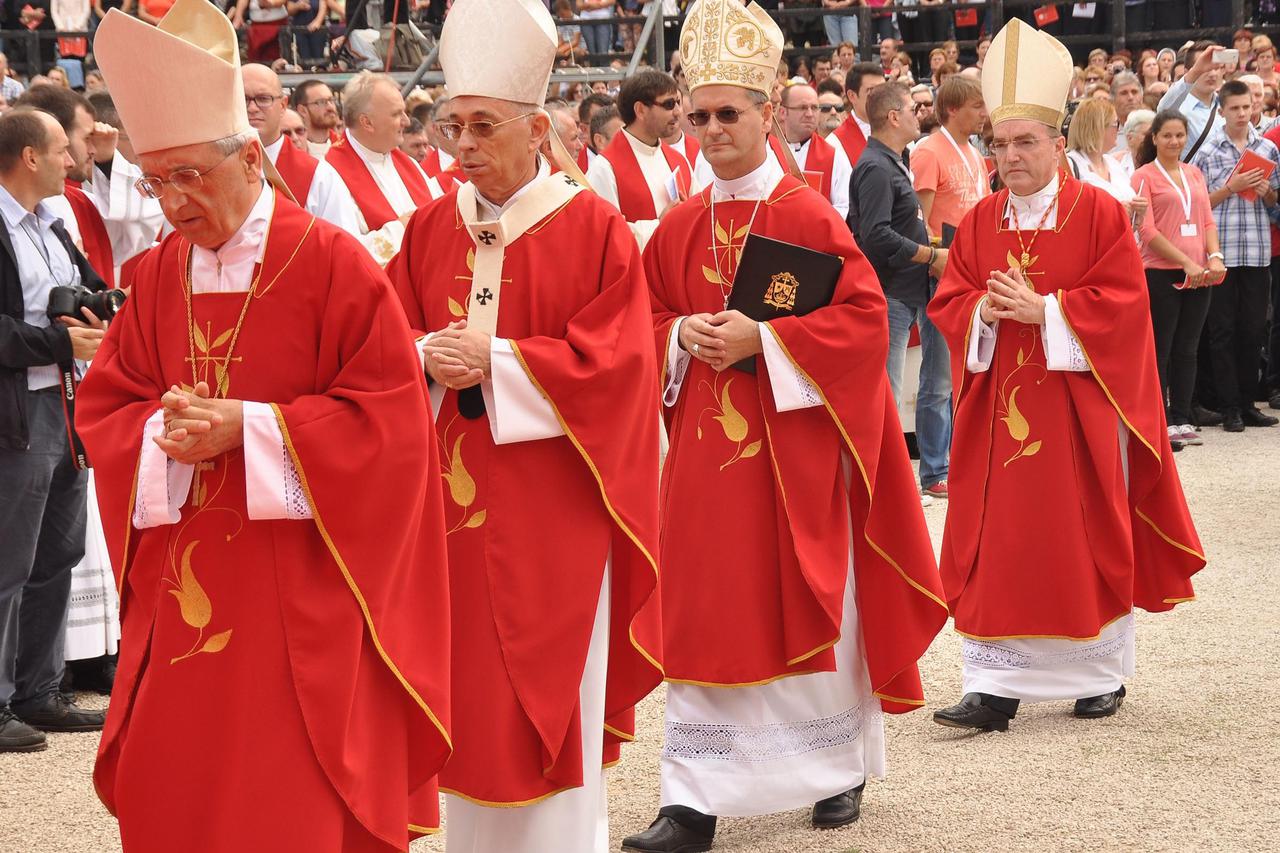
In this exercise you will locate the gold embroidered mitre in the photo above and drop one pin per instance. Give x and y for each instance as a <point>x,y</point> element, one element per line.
<point>1027,75</point>
<point>725,43</point>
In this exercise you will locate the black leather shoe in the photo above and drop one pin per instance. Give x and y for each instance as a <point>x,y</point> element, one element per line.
<point>1232,421</point>
<point>96,675</point>
<point>979,711</point>
<point>1100,706</point>
<point>1274,400</point>
<point>840,810</point>
<point>1204,417</point>
<point>669,835</point>
<point>1254,418</point>
<point>17,736</point>
<point>1176,445</point>
<point>60,714</point>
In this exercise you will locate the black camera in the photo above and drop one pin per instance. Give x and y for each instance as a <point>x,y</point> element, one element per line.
<point>67,300</point>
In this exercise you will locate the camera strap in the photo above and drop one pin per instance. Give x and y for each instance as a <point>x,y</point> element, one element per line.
<point>68,388</point>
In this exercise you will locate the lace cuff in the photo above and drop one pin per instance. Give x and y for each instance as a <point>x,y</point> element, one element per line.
<point>677,365</point>
<point>163,484</point>
<point>1062,351</point>
<point>791,390</point>
<point>982,342</point>
<point>273,489</point>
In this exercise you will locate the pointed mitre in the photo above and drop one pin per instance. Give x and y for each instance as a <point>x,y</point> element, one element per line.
<point>175,84</point>
<point>725,43</point>
<point>498,49</point>
<point>1027,75</point>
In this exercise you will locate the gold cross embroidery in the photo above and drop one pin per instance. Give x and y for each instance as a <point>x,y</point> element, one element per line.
<point>1023,264</point>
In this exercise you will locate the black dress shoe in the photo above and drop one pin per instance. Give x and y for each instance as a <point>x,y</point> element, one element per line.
<point>1254,418</point>
<point>840,810</point>
<point>95,675</point>
<point>60,714</point>
<point>1100,706</point>
<point>678,829</point>
<point>1204,417</point>
<point>1232,421</point>
<point>17,736</point>
<point>979,711</point>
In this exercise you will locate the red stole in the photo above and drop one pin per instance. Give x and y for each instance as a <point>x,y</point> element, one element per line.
<point>635,199</point>
<point>313,628</point>
<point>584,159</point>
<point>1089,549</point>
<point>753,582</point>
<point>298,168</point>
<point>525,572</point>
<point>690,149</point>
<point>375,208</point>
<point>820,162</point>
<point>851,138</point>
<point>93,233</point>
<point>431,162</point>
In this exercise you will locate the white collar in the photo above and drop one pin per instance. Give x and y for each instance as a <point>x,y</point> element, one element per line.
<point>799,146</point>
<point>642,149</point>
<point>756,184</point>
<point>491,212</point>
<point>864,126</point>
<point>251,235</point>
<point>273,150</point>
<point>373,158</point>
<point>1038,199</point>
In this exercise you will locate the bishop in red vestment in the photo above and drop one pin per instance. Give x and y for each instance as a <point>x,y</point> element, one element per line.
<point>799,584</point>
<point>1066,511</point>
<point>283,676</point>
<point>545,398</point>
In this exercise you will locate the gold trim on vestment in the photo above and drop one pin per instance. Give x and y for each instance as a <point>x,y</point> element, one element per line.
<point>861,469</point>
<point>618,733</point>
<point>492,804</point>
<point>1009,83</point>
<point>424,830</point>
<point>733,684</point>
<point>662,375</point>
<point>917,702</point>
<point>1030,112</point>
<point>1162,535</point>
<point>604,496</point>
<point>1096,636</point>
<point>128,529</point>
<point>355,589</point>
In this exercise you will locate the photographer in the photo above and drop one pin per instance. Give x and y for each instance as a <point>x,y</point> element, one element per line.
<point>42,494</point>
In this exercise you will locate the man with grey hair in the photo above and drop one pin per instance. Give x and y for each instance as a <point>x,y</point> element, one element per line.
<point>564,122</point>
<point>1126,94</point>
<point>387,184</point>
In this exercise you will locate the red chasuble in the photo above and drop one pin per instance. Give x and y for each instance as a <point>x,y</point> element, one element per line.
<point>430,163</point>
<point>1043,538</point>
<point>375,208</point>
<point>756,509</point>
<point>532,523</point>
<point>635,199</point>
<point>298,168</point>
<point>283,685</point>
<point>851,139</point>
<point>95,242</point>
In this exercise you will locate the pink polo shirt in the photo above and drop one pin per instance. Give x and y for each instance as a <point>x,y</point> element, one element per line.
<point>1166,215</point>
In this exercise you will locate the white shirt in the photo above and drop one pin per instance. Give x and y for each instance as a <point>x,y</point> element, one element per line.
<point>383,243</point>
<point>657,174</point>
<point>841,172</point>
<point>229,268</point>
<point>328,198</point>
<point>319,149</point>
<point>1118,187</point>
<point>43,263</point>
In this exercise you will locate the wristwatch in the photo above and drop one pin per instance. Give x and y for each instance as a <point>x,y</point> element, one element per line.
<point>1217,255</point>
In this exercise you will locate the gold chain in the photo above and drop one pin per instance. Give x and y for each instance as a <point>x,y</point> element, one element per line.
<point>1024,260</point>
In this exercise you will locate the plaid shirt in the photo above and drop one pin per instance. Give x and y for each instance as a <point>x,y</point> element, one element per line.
<point>1243,231</point>
<point>11,89</point>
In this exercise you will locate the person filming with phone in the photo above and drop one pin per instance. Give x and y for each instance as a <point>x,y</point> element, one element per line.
<point>42,484</point>
<point>1196,95</point>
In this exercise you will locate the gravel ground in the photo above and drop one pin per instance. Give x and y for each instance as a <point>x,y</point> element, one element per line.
<point>1189,764</point>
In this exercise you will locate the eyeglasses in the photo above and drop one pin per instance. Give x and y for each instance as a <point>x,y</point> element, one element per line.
<point>920,105</point>
<point>1021,145</point>
<point>830,108</point>
<point>452,130</point>
<point>319,102</point>
<point>669,104</point>
<point>728,115</point>
<point>185,180</point>
<point>261,101</point>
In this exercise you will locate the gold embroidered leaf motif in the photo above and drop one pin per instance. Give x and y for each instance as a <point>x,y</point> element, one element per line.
<point>477,519</point>
<point>1022,357</point>
<point>722,235</point>
<point>751,449</point>
<point>217,642</point>
<point>192,600</point>
<point>455,309</point>
<point>1014,421</point>
<point>471,259</point>
<point>201,343</point>
<point>1013,262</point>
<point>1031,449</point>
<point>222,338</point>
<point>711,275</point>
<point>737,235</point>
<point>731,420</point>
<point>462,489</point>
<point>223,383</point>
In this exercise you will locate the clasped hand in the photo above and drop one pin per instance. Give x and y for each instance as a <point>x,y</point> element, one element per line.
<point>721,339</point>
<point>1009,297</point>
<point>458,356</point>
<point>199,426</point>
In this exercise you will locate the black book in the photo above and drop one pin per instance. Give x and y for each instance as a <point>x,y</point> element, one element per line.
<point>777,279</point>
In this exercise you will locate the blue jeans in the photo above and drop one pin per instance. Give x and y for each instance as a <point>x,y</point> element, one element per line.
<point>933,405</point>
<point>598,38</point>
<point>841,28</point>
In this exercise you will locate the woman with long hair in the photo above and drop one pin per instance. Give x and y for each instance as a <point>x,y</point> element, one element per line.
<point>1091,135</point>
<point>1166,59</point>
<point>1148,71</point>
<point>1181,256</point>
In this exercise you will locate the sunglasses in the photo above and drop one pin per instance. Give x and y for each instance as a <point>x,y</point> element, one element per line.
<point>669,104</point>
<point>830,108</point>
<point>728,115</point>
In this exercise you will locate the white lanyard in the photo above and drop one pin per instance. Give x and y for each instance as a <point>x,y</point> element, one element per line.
<point>975,176</point>
<point>1184,199</point>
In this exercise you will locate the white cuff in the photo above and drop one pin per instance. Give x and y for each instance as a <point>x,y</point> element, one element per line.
<point>677,365</point>
<point>1061,349</point>
<point>982,342</point>
<point>517,410</point>
<point>271,483</point>
<point>434,389</point>
<point>163,484</point>
<point>643,229</point>
<point>791,390</point>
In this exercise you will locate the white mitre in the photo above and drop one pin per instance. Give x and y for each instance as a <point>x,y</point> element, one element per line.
<point>1027,75</point>
<point>498,49</point>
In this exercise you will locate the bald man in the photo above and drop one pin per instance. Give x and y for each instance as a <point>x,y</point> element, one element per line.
<point>314,183</point>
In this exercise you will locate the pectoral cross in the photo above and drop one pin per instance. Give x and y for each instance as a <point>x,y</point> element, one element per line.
<point>1024,263</point>
<point>197,489</point>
